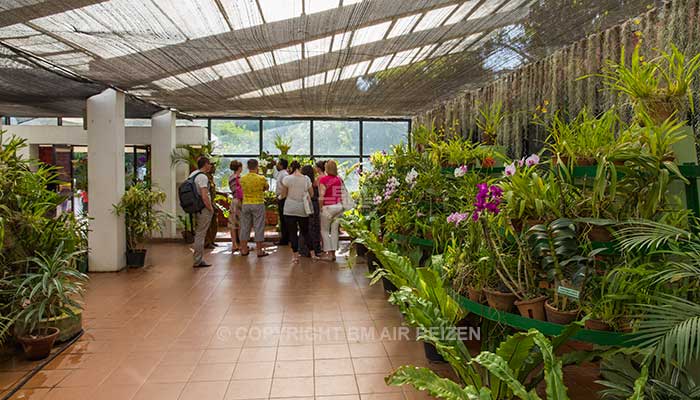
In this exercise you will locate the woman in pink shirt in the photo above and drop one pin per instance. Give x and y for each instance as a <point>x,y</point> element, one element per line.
<point>331,202</point>
<point>234,216</point>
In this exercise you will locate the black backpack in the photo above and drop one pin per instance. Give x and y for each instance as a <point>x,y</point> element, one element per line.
<point>190,198</point>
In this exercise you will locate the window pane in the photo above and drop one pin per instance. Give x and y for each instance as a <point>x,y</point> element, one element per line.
<point>348,171</point>
<point>223,171</point>
<point>33,121</point>
<point>236,136</point>
<point>381,135</point>
<point>297,133</point>
<point>337,137</point>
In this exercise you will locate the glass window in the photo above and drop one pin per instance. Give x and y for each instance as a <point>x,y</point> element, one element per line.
<point>348,171</point>
<point>381,135</point>
<point>296,133</point>
<point>33,121</point>
<point>223,171</point>
<point>236,136</point>
<point>337,137</point>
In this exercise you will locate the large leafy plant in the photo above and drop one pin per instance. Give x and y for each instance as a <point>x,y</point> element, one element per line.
<point>490,119</point>
<point>48,289</point>
<point>138,205</point>
<point>557,248</point>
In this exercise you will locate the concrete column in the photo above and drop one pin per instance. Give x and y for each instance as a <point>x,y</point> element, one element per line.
<point>163,140</point>
<point>107,237</point>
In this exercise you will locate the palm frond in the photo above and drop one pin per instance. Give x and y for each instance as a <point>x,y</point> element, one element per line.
<point>671,329</point>
<point>644,235</point>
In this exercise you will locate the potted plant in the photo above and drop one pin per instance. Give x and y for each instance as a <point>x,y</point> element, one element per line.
<point>185,223</point>
<point>48,290</point>
<point>283,145</point>
<point>583,139</point>
<point>556,246</point>
<point>271,215</point>
<point>489,121</point>
<point>659,87</point>
<point>142,218</point>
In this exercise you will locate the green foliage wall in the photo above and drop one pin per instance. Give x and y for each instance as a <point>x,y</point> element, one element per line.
<point>554,78</point>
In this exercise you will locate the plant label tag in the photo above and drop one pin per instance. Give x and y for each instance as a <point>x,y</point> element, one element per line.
<point>568,292</point>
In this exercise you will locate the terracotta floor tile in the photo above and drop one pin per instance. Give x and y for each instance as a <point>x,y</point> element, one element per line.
<point>343,397</point>
<point>294,369</point>
<point>30,394</point>
<point>216,356</point>
<point>367,350</point>
<point>326,351</point>
<point>115,392</point>
<point>294,353</point>
<point>254,354</point>
<point>331,367</point>
<point>73,393</point>
<point>292,387</point>
<point>335,385</point>
<point>178,357</point>
<point>9,379</point>
<point>85,378</point>
<point>170,374</point>
<point>248,389</point>
<point>372,365</point>
<point>374,383</point>
<point>47,378</point>
<point>213,372</point>
<point>204,390</point>
<point>254,370</point>
<point>159,391</point>
<point>384,396</point>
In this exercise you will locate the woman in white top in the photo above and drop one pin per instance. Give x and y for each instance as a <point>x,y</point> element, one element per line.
<point>297,189</point>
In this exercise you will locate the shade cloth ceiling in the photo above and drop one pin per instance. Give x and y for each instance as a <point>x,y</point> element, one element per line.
<point>278,57</point>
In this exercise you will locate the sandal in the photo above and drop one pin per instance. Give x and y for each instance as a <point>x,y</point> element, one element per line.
<point>262,254</point>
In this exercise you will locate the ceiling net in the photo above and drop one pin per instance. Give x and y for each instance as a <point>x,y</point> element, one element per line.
<point>280,57</point>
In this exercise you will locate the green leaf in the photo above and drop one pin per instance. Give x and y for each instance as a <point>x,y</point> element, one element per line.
<point>426,380</point>
<point>499,368</point>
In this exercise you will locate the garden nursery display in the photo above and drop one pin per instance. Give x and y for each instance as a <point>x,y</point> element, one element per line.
<point>594,239</point>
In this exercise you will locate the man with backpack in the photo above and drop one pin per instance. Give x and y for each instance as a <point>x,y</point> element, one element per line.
<point>194,199</point>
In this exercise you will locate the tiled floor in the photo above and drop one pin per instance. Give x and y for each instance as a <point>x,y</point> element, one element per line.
<point>245,328</point>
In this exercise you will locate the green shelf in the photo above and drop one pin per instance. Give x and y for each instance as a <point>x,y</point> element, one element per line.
<point>601,338</point>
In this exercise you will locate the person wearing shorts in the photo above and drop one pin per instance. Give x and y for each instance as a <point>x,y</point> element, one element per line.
<point>234,216</point>
<point>253,208</point>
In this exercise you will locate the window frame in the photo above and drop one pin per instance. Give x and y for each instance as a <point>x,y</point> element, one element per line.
<point>359,155</point>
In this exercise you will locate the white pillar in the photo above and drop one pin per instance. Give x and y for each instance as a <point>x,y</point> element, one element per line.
<point>107,240</point>
<point>163,139</point>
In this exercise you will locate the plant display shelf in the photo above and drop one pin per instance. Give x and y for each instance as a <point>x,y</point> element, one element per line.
<point>601,338</point>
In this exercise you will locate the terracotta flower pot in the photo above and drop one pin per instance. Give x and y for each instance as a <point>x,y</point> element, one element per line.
<point>585,161</point>
<point>38,347</point>
<point>559,317</point>
<point>499,300</point>
<point>659,110</point>
<point>596,325</point>
<point>475,295</point>
<point>271,217</point>
<point>532,308</point>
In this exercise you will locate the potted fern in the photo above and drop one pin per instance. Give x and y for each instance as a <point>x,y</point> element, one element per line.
<point>142,219</point>
<point>45,293</point>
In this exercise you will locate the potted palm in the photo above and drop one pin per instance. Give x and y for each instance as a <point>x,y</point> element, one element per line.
<point>46,293</point>
<point>142,219</point>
